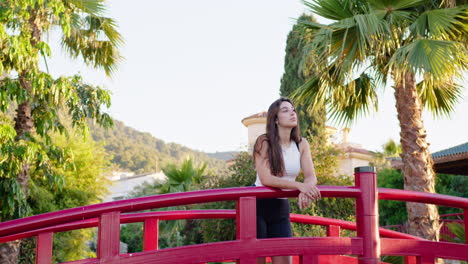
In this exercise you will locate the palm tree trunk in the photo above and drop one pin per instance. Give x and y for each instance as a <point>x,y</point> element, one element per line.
<point>9,252</point>
<point>419,175</point>
<point>24,124</point>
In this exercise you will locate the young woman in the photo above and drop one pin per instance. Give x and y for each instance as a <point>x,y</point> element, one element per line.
<point>279,155</point>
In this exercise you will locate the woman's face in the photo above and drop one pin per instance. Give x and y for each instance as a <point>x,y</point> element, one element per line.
<point>287,115</point>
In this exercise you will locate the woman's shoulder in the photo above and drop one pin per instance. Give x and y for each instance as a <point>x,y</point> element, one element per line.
<point>261,143</point>
<point>303,144</point>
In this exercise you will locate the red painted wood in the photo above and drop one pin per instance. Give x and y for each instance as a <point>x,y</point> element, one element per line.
<point>197,214</point>
<point>337,259</point>
<point>246,218</point>
<point>213,252</point>
<point>159,201</point>
<point>333,231</point>
<point>109,237</point>
<point>425,260</point>
<point>410,260</point>
<point>466,224</point>
<point>44,248</point>
<point>367,218</point>
<point>150,234</point>
<point>406,247</point>
<point>309,259</point>
<point>422,197</point>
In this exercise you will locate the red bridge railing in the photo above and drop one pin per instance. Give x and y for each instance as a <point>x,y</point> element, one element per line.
<point>369,244</point>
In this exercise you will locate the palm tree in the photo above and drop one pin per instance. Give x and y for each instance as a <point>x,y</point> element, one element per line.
<point>182,179</point>
<point>419,45</point>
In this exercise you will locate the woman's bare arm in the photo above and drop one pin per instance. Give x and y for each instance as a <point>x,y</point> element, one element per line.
<point>307,167</point>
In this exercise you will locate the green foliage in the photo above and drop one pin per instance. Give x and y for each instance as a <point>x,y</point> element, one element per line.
<point>454,185</point>
<point>84,183</point>
<point>180,179</point>
<point>43,160</point>
<point>458,231</point>
<point>312,123</point>
<point>40,98</point>
<point>368,42</point>
<point>132,235</point>
<point>391,212</point>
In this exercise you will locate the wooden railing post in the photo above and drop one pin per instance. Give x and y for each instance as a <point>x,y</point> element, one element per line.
<point>44,248</point>
<point>150,234</point>
<point>466,225</point>
<point>109,237</point>
<point>333,230</point>
<point>246,225</point>
<point>367,214</point>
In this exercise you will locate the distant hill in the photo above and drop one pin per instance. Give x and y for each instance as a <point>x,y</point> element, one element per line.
<point>141,152</point>
<point>226,155</point>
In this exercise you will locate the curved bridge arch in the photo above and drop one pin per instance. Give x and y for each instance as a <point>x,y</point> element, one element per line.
<point>369,244</point>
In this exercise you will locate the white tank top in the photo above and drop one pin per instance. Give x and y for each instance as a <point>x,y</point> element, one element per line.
<point>292,163</point>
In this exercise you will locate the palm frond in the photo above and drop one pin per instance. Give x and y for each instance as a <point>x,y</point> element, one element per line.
<point>458,231</point>
<point>446,23</point>
<point>440,98</point>
<point>392,5</point>
<point>345,103</point>
<point>93,7</point>
<point>311,24</point>
<point>348,42</point>
<point>310,94</point>
<point>331,9</point>
<point>353,100</point>
<point>435,57</point>
<point>96,40</point>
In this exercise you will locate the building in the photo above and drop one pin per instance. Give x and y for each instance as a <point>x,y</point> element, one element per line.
<point>353,154</point>
<point>453,160</point>
<point>124,182</point>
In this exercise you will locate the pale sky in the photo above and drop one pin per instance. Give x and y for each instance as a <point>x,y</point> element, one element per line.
<point>194,69</point>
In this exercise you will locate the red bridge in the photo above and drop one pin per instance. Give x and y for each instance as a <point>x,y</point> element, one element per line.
<point>367,247</point>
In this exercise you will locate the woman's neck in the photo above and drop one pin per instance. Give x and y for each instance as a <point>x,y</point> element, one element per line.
<point>284,135</point>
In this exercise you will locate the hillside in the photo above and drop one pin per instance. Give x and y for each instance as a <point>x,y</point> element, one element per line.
<point>141,152</point>
<point>224,155</point>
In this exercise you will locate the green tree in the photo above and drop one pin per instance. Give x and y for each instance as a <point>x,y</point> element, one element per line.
<point>38,97</point>
<point>295,75</point>
<point>419,45</point>
<point>84,183</point>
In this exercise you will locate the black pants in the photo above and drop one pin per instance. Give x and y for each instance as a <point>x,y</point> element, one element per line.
<point>273,218</point>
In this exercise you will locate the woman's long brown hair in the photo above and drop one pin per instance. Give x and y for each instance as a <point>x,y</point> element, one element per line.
<point>275,155</point>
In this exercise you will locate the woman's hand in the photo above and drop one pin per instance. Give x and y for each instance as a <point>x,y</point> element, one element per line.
<point>304,201</point>
<point>310,190</point>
